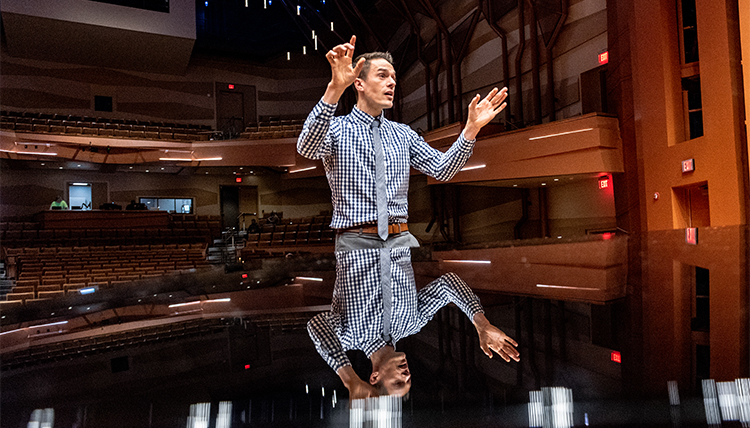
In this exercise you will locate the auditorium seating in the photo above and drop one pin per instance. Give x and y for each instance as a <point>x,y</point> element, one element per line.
<point>54,271</point>
<point>273,129</point>
<point>183,229</point>
<point>137,129</point>
<point>101,127</point>
<point>296,235</point>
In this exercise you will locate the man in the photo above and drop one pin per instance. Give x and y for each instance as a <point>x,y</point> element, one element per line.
<point>367,160</point>
<point>350,157</point>
<point>364,317</point>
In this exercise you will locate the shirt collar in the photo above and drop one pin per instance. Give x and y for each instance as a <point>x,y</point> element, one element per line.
<point>365,118</point>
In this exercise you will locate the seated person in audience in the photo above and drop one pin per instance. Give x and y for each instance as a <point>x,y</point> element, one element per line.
<point>254,227</point>
<point>371,312</point>
<point>58,204</point>
<point>110,206</point>
<point>273,218</point>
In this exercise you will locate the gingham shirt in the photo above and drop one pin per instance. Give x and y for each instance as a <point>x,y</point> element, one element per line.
<point>356,317</point>
<point>344,143</point>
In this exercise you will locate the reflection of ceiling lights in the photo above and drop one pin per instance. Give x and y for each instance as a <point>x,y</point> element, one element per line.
<point>302,169</point>
<point>176,305</point>
<point>561,133</point>
<point>190,159</point>
<point>29,153</point>
<point>566,287</point>
<point>469,168</point>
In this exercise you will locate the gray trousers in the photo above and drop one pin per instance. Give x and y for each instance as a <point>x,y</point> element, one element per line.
<point>352,240</point>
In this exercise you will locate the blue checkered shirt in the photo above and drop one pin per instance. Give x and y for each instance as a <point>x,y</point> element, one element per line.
<point>356,317</point>
<point>344,143</point>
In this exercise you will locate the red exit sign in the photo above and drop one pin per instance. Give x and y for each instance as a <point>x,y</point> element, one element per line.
<point>691,236</point>
<point>604,182</point>
<point>603,57</point>
<point>616,357</point>
<point>688,165</point>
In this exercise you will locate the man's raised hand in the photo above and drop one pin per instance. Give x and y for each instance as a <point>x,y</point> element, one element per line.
<point>342,72</point>
<point>482,112</point>
<point>492,339</point>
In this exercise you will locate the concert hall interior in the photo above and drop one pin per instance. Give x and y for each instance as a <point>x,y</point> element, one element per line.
<point>602,218</point>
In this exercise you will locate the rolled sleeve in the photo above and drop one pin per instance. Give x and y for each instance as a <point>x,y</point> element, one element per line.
<point>326,342</point>
<point>313,141</point>
<point>449,288</point>
<point>439,165</point>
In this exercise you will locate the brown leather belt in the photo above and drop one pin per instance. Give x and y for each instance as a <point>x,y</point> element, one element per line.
<point>373,228</point>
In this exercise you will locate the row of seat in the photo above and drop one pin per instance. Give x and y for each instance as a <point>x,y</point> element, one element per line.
<point>263,124</point>
<point>34,280</point>
<point>19,225</point>
<point>266,135</point>
<point>275,239</point>
<point>83,262</point>
<point>61,251</point>
<point>24,116</point>
<point>185,221</point>
<point>106,269</point>
<point>55,288</point>
<point>9,243</point>
<point>168,135</point>
<point>109,233</point>
<point>301,227</point>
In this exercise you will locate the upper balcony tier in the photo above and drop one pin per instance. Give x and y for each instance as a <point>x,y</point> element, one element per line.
<point>581,145</point>
<point>587,144</point>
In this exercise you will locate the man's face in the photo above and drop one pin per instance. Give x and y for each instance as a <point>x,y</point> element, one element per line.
<point>395,377</point>
<point>376,89</point>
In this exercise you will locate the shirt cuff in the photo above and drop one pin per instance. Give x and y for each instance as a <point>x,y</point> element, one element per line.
<point>338,362</point>
<point>465,146</point>
<point>474,308</point>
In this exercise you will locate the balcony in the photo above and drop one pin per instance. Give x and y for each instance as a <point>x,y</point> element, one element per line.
<point>581,145</point>
<point>587,269</point>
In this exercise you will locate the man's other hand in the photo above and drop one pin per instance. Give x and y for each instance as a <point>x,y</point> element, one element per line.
<point>482,112</point>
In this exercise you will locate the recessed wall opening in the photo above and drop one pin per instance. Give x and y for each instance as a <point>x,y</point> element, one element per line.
<point>690,206</point>
<point>80,196</point>
<point>172,205</point>
<point>697,280</point>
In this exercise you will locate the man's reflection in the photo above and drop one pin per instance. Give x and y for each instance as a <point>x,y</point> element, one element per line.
<point>375,304</point>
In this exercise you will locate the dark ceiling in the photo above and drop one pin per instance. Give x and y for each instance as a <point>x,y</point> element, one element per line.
<point>248,30</point>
